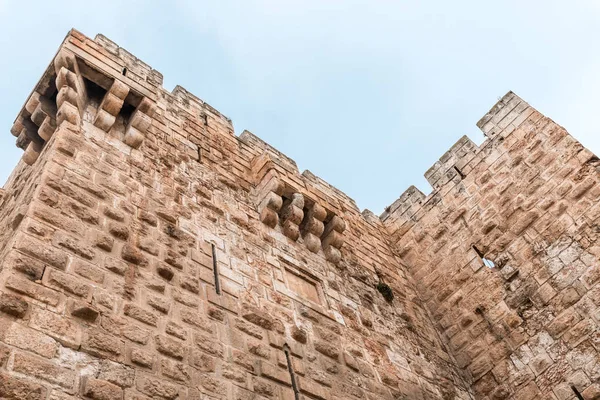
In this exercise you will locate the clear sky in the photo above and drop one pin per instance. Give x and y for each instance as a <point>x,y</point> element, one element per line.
<point>366,94</point>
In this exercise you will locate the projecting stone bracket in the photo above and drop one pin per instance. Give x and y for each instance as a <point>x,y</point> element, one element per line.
<point>333,239</point>
<point>138,124</point>
<point>71,97</point>
<point>292,215</point>
<point>313,227</point>
<point>61,95</point>
<point>298,215</point>
<point>269,192</point>
<point>111,106</point>
<point>28,138</point>
<point>43,115</point>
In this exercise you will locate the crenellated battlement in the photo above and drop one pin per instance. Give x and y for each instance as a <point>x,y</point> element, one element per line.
<point>126,80</point>
<point>449,166</point>
<point>508,113</point>
<point>464,157</point>
<point>128,101</point>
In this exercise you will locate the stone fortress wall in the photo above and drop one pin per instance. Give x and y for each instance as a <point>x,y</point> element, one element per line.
<point>526,200</point>
<point>149,253</point>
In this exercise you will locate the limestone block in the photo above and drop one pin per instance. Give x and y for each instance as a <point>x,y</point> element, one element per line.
<point>313,227</point>
<point>133,138</point>
<point>270,202</point>
<point>333,239</point>
<point>17,127</point>
<point>111,106</point>
<point>291,215</point>
<point>269,217</point>
<point>32,102</point>
<point>332,254</point>
<point>104,120</point>
<point>32,152</point>
<point>111,103</point>
<point>66,94</point>
<point>47,128</point>
<point>138,124</point>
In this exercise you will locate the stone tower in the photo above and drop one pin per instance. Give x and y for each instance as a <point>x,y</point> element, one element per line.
<point>149,253</point>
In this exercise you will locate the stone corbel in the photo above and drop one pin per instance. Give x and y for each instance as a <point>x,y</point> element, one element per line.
<point>138,125</point>
<point>111,105</point>
<point>43,115</point>
<point>32,152</point>
<point>313,227</point>
<point>333,239</point>
<point>72,97</point>
<point>269,195</point>
<point>291,215</point>
<point>17,131</point>
<point>28,138</point>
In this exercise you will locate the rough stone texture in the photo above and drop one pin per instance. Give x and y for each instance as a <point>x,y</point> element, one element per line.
<point>526,200</point>
<point>151,253</point>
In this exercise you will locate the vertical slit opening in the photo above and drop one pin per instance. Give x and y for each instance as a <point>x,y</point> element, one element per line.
<point>124,72</point>
<point>288,358</point>
<point>459,172</point>
<point>487,262</point>
<point>215,269</point>
<point>577,394</point>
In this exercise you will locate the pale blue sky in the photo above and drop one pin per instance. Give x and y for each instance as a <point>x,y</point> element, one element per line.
<point>365,94</point>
